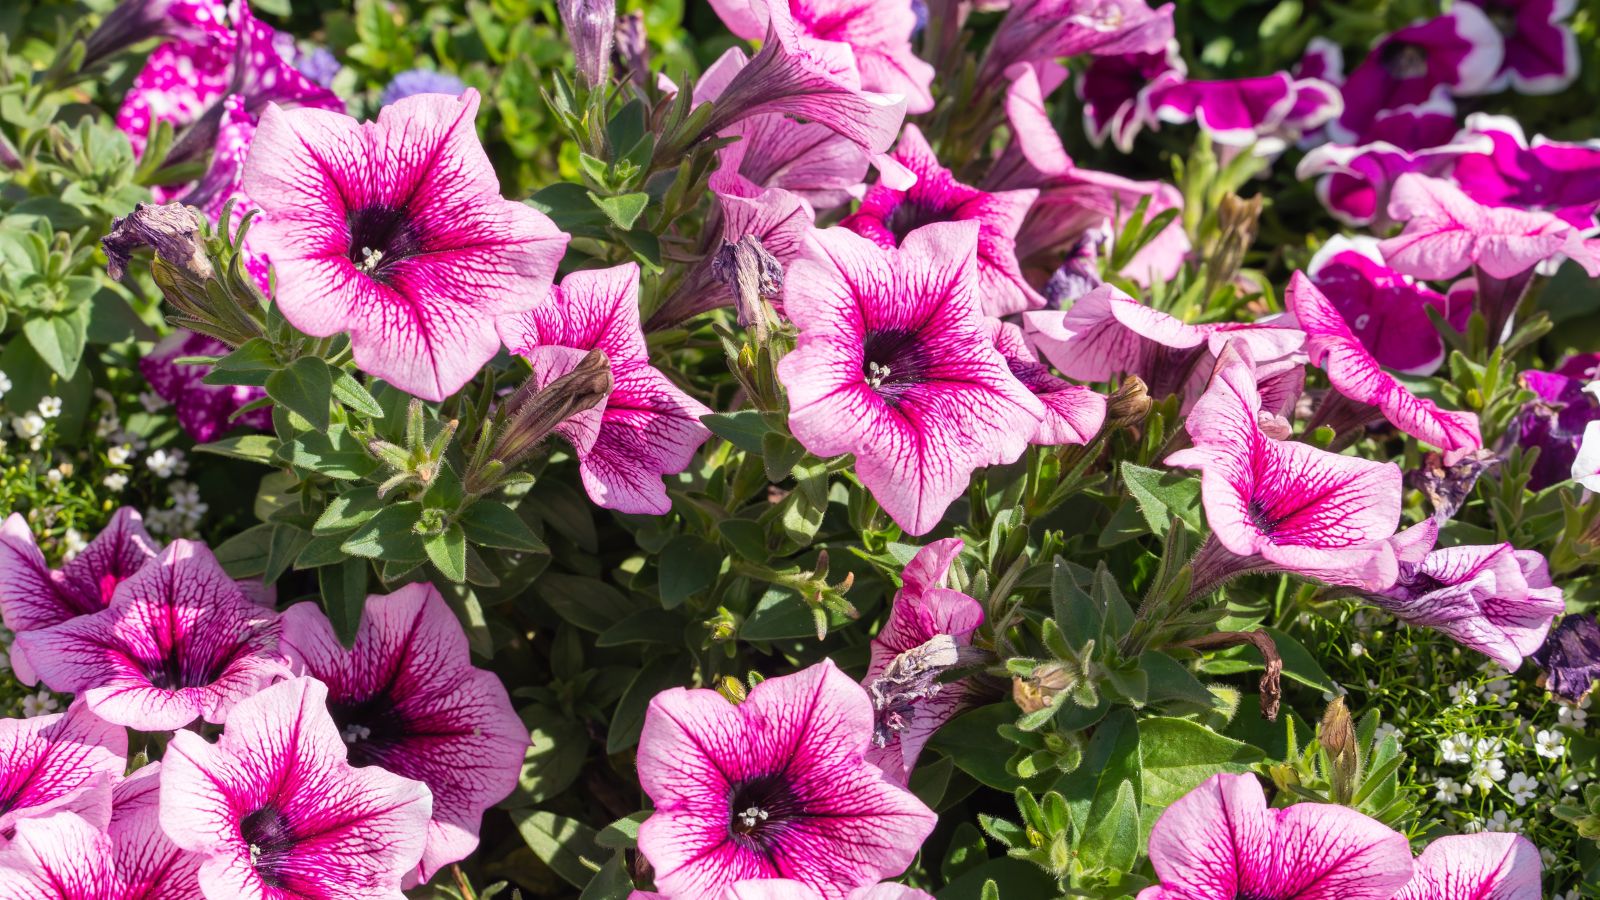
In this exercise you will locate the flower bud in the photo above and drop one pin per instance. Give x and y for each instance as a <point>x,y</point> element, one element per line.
<point>1041,687</point>
<point>1338,737</point>
<point>633,47</point>
<point>535,411</point>
<point>591,27</point>
<point>170,229</point>
<point>1129,404</point>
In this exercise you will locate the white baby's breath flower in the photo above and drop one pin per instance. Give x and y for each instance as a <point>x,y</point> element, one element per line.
<point>1386,729</point>
<point>5,384</point>
<point>1502,822</point>
<point>119,455</point>
<point>1489,748</point>
<point>151,401</point>
<point>54,476</point>
<point>1463,694</point>
<point>40,704</point>
<point>28,426</point>
<point>1456,749</point>
<point>1486,774</point>
<point>1523,788</point>
<point>50,407</point>
<point>1448,791</point>
<point>115,482</point>
<point>166,463</point>
<point>1550,744</point>
<point>1357,649</point>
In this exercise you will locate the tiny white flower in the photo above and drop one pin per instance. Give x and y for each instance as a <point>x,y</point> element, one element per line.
<point>115,482</point>
<point>1456,749</point>
<point>166,463</point>
<point>5,384</point>
<point>1489,748</point>
<point>73,543</point>
<point>1487,774</point>
<point>1449,791</point>
<point>50,407</point>
<point>1463,694</point>
<point>1572,716</point>
<point>1550,745</point>
<point>1357,649</point>
<point>1502,822</point>
<point>40,704</point>
<point>28,426</point>
<point>1523,788</point>
<point>119,455</point>
<point>1386,729</point>
<point>54,476</point>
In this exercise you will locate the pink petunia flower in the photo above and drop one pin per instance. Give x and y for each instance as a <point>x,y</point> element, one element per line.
<point>1033,131</point>
<point>1036,31</point>
<point>894,365</point>
<point>275,810</point>
<point>1386,310</point>
<point>1357,376</point>
<point>1552,176</point>
<point>776,787</point>
<point>1288,506</point>
<point>33,597</point>
<point>206,411</point>
<point>405,697</point>
<point>1541,55</point>
<point>147,864</point>
<point>1116,92</point>
<point>648,426</point>
<point>1494,599</point>
<point>395,231</point>
<point>1222,841</point>
<point>179,642</point>
<point>180,80</point>
<point>877,34</point>
<point>886,216</point>
<point>1073,413</point>
<point>788,889</point>
<point>67,762</point>
<point>1486,866</point>
<point>924,636</point>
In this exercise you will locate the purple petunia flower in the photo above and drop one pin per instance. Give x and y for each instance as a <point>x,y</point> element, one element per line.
<point>1570,657</point>
<point>1116,92</point>
<point>395,231</point>
<point>1036,31</point>
<point>406,697</point>
<point>1556,177</point>
<point>776,787</point>
<point>1073,413</point>
<point>1541,51</point>
<point>1386,310</point>
<point>1556,419</point>
<point>206,411</point>
<point>648,427</point>
<point>180,641</point>
<point>274,809</point>
<point>894,365</point>
<point>1487,865</point>
<point>1494,599</point>
<point>886,216</point>
<point>1460,51</point>
<point>33,597</point>
<point>927,628</point>
<point>68,762</point>
<point>412,82</point>
<point>1267,113</point>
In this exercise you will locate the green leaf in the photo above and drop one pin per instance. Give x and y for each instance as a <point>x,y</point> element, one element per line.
<point>286,543</point>
<point>258,448</point>
<point>334,452</point>
<point>588,603</point>
<point>245,554</point>
<point>1161,495</point>
<point>647,626</point>
<point>973,741</point>
<point>448,551</point>
<point>306,387</point>
<point>623,210</point>
<point>319,552</point>
<point>686,566</point>
<point>490,523</point>
<point>389,535</point>
<point>966,851</point>
<point>1112,840</point>
<point>566,845</point>
<point>782,615</point>
<point>560,744</point>
<point>350,392</point>
<point>612,882</point>
<point>628,719</point>
<point>59,339</point>
<point>745,429</point>
<point>348,511</point>
<point>1177,755</point>
<point>1111,758</point>
<point>623,834</point>
<point>344,595</point>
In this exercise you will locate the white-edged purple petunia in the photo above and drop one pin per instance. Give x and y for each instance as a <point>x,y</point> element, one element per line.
<point>895,365</point>
<point>405,697</point>
<point>66,762</point>
<point>1541,49</point>
<point>775,787</point>
<point>1386,310</point>
<point>1541,174</point>
<point>206,411</point>
<point>1036,31</point>
<point>1484,866</point>
<point>276,811</point>
<point>1266,113</point>
<point>395,231</point>
<point>1116,92</point>
<point>648,427</point>
<point>179,642</point>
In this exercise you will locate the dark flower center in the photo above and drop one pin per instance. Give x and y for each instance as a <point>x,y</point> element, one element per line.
<point>1265,520</point>
<point>178,669</point>
<point>894,361</point>
<point>381,236</point>
<point>1404,61</point>
<point>759,812</point>
<point>271,840</point>
<point>370,727</point>
<point>1421,583</point>
<point>909,215</point>
<point>1504,19</point>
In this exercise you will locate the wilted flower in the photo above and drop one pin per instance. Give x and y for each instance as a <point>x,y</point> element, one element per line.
<point>1570,657</point>
<point>206,411</point>
<point>571,400</point>
<point>1447,486</point>
<point>776,787</point>
<point>170,229</point>
<point>66,762</point>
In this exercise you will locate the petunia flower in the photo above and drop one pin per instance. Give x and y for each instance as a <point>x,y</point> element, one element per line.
<point>1073,413</point>
<point>1494,599</point>
<point>1488,865</point>
<point>1586,465</point>
<point>274,809</point>
<point>179,82</point>
<point>1285,505</point>
<point>405,697</point>
<point>1035,31</point>
<point>1570,657</point>
<point>927,628</point>
<point>67,762</point>
<point>33,597</point>
<point>886,216</point>
<point>649,427</point>
<point>1116,92</point>
<point>395,231</point>
<point>1541,55</point>
<point>1358,377</point>
<point>1387,311</point>
<point>1556,420</point>
<point>894,365</point>
<point>1556,177</point>
<point>147,864</point>
<point>788,889</point>
<point>1033,131</point>
<point>1267,113</point>
<point>878,35</point>
<point>776,787</point>
<point>1323,60</point>
<point>134,21</point>
<point>1222,841</point>
<point>1460,51</point>
<point>179,642</point>
<point>206,411</point>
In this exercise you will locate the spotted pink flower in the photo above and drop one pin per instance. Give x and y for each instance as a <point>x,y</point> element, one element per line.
<point>1560,178</point>
<point>1484,866</point>
<point>1386,310</point>
<point>206,411</point>
<point>788,889</point>
<point>886,216</point>
<point>67,762</point>
<point>395,231</point>
<point>648,427</point>
<point>776,787</point>
<point>1494,599</point>
<point>405,697</point>
<point>179,642</point>
<point>878,35</point>
<point>1222,841</point>
<point>179,82</point>
<point>928,625</point>
<point>33,597</point>
<point>275,810</point>
<point>1073,413</point>
<point>894,365</point>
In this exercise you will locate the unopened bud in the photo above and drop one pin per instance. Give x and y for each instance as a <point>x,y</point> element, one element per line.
<point>754,275</point>
<point>1129,404</point>
<point>633,47</point>
<point>170,229</point>
<point>1041,687</point>
<point>732,689</point>
<point>591,27</point>
<point>1338,737</point>
<point>535,411</point>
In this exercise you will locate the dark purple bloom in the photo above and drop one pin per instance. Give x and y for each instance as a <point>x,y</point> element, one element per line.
<point>1555,421</point>
<point>421,81</point>
<point>1116,90</point>
<point>1570,657</point>
<point>1541,51</point>
<point>204,410</point>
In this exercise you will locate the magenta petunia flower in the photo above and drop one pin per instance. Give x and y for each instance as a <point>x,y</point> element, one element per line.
<point>405,697</point>
<point>1541,55</point>
<point>1460,51</point>
<point>1034,31</point>
<point>648,427</point>
<point>788,889</point>
<point>1222,841</point>
<point>1357,375</point>
<point>927,628</point>
<point>1267,113</point>
<point>1556,420</point>
<point>1494,599</point>
<point>877,34</point>
<point>1560,178</point>
<point>1116,92</point>
<point>67,762</point>
<point>776,787</point>
<point>179,642</point>
<point>1288,506</point>
<point>1484,866</point>
<point>33,597</point>
<point>1073,413</point>
<point>1570,657</point>
<point>206,411</point>
<point>395,231</point>
<point>1387,311</point>
<point>148,865</point>
<point>274,809</point>
<point>886,216</point>
<point>1032,129</point>
<point>894,365</point>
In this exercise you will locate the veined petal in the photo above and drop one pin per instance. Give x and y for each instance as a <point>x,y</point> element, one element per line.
<point>67,762</point>
<point>1486,866</point>
<point>61,857</point>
